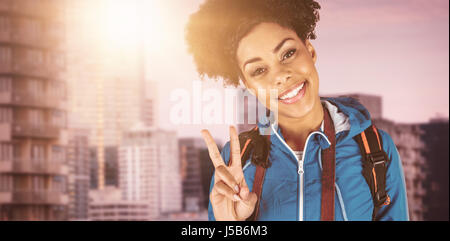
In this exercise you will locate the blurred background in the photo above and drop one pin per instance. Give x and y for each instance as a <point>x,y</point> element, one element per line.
<point>86,96</point>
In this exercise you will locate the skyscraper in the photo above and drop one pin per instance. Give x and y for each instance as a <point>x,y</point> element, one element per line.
<point>78,160</point>
<point>106,82</point>
<point>33,135</point>
<point>435,137</point>
<point>190,150</point>
<point>150,169</point>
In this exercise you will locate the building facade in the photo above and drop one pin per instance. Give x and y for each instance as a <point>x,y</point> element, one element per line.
<point>33,135</point>
<point>190,150</point>
<point>435,137</point>
<point>78,160</point>
<point>107,82</point>
<point>107,205</point>
<point>149,169</point>
<point>110,169</point>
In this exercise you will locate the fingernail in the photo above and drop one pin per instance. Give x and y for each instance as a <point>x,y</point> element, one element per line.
<point>236,188</point>
<point>237,198</point>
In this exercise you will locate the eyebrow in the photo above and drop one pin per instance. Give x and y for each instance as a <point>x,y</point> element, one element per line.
<point>281,44</point>
<point>278,47</point>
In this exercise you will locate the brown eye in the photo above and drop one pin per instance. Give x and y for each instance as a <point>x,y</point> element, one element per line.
<point>289,54</point>
<point>258,71</point>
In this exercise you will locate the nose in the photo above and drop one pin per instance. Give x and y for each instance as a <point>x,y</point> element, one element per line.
<point>282,77</point>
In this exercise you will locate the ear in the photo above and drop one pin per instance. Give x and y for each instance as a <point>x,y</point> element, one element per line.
<point>311,50</point>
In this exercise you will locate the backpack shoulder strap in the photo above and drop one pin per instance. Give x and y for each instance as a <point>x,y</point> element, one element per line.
<point>375,162</point>
<point>252,143</point>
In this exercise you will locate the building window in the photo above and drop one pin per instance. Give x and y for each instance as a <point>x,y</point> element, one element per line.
<point>4,24</point>
<point>5,55</point>
<point>38,183</point>
<point>59,118</point>
<point>37,153</point>
<point>58,154</point>
<point>35,87</point>
<point>59,184</point>
<point>36,117</point>
<point>5,182</point>
<point>5,115</point>
<point>35,57</point>
<point>6,152</point>
<point>5,84</point>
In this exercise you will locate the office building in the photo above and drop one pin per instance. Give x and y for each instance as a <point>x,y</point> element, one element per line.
<point>33,118</point>
<point>150,169</point>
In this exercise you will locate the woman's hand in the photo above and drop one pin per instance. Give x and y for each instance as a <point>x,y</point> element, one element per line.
<point>230,197</point>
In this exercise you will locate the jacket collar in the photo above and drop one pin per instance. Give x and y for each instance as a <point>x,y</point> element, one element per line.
<point>347,115</point>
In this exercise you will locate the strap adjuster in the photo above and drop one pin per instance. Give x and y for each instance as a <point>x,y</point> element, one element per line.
<point>382,201</point>
<point>376,158</point>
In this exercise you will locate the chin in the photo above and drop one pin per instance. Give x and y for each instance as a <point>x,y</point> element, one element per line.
<point>299,110</point>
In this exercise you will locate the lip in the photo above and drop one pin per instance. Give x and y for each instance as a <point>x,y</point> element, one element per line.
<point>291,88</point>
<point>296,98</point>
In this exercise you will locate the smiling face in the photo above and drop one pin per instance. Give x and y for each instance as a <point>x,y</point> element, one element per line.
<point>272,57</point>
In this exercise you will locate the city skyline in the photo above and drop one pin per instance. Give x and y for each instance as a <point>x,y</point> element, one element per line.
<point>100,116</point>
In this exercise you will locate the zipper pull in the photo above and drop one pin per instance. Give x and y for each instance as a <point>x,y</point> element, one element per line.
<point>300,167</point>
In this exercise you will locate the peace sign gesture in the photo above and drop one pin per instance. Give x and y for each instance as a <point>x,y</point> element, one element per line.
<point>230,197</point>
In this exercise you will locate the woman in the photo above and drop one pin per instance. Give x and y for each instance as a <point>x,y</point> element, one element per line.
<point>265,44</point>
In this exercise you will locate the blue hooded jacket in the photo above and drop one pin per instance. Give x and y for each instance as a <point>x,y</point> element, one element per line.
<point>292,190</point>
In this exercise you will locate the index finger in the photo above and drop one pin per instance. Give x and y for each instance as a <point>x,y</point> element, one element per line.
<point>214,153</point>
<point>235,148</point>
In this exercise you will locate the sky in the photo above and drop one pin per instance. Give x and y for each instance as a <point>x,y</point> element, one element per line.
<point>395,49</point>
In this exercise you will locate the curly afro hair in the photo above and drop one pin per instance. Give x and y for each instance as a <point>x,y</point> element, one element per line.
<point>214,31</point>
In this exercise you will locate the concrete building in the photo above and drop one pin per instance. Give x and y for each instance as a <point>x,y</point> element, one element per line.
<point>190,150</point>
<point>78,180</point>
<point>435,137</point>
<point>150,169</point>
<point>207,168</point>
<point>33,135</point>
<point>107,205</point>
<point>106,82</point>
<point>110,167</point>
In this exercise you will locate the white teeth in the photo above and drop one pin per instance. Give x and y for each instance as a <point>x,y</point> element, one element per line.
<point>292,93</point>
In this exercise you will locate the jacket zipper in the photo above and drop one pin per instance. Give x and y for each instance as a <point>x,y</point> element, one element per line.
<point>300,171</point>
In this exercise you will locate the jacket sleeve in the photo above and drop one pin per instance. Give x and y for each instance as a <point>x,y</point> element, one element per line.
<point>225,156</point>
<point>397,210</point>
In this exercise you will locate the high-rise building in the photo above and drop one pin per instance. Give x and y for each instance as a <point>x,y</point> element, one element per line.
<point>190,150</point>
<point>435,138</point>
<point>110,167</point>
<point>106,82</point>
<point>107,205</point>
<point>207,168</point>
<point>78,180</point>
<point>33,135</point>
<point>150,169</point>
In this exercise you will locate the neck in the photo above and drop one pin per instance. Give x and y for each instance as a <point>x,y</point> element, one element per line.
<point>296,130</point>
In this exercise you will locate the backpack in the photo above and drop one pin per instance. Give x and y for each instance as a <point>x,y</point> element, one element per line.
<point>374,166</point>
